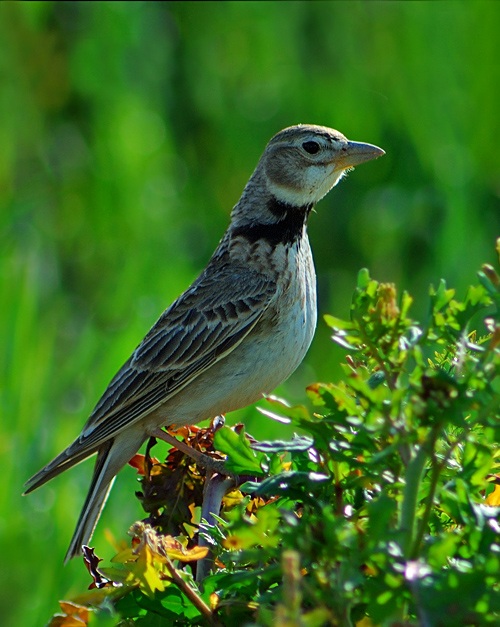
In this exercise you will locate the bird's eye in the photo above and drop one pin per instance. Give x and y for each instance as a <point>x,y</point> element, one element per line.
<point>311,147</point>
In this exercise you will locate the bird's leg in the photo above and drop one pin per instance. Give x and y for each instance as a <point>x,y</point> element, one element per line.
<point>200,458</point>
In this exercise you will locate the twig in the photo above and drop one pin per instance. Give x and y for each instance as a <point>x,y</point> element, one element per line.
<point>191,594</point>
<point>216,486</point>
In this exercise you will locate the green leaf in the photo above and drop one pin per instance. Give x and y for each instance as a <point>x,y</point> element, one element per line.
<point>338,323</point>
<point>363,279</point>
<point>441,297</point>
<point>299,443</point>
<point>442,548</point>
<point>293,483</point>
<point>297,414</point>
<point>381,515</point>
<point>241,458</point>
<point>256,531</point>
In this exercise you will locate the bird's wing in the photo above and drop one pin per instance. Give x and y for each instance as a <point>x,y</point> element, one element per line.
<point>201,327</point>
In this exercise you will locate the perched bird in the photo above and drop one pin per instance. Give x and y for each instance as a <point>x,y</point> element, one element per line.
<point>239,331</point>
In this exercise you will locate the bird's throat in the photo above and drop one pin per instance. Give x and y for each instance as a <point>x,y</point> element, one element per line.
<point>286,225</point>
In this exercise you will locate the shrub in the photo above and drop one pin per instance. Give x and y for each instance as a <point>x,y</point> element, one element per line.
<point>383,511</point>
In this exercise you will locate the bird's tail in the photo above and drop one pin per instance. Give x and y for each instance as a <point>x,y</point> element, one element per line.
<point>111,458</point>
<point>102,480</point>
<point>101,484</point>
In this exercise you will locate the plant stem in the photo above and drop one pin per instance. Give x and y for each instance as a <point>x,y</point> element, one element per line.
<point>414,474</point>
<point>436,471</point>
<point>192,594</point>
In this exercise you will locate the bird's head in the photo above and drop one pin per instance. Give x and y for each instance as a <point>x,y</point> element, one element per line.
<point>302,163</point>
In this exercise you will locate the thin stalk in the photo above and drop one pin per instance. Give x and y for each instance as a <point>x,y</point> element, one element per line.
<point>339,497</point>
<point>192,595</point>
<point>414,475</point>
<point>436,471</point>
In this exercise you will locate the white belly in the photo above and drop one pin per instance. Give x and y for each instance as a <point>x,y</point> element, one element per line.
<point>263,360</point>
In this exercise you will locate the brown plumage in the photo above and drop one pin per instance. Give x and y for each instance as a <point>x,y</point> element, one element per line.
<point>240,330</point>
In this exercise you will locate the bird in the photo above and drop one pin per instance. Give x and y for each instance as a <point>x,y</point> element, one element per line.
<point>239,331</point>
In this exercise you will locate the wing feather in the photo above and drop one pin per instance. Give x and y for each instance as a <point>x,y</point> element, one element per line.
<point>201,327</point>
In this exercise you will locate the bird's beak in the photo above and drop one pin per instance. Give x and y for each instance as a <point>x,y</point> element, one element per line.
<point>356,153</point>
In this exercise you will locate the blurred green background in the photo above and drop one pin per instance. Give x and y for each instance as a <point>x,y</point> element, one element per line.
<point>127,132</point>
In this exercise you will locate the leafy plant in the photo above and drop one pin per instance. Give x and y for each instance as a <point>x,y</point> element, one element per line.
<point>383,511</point>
